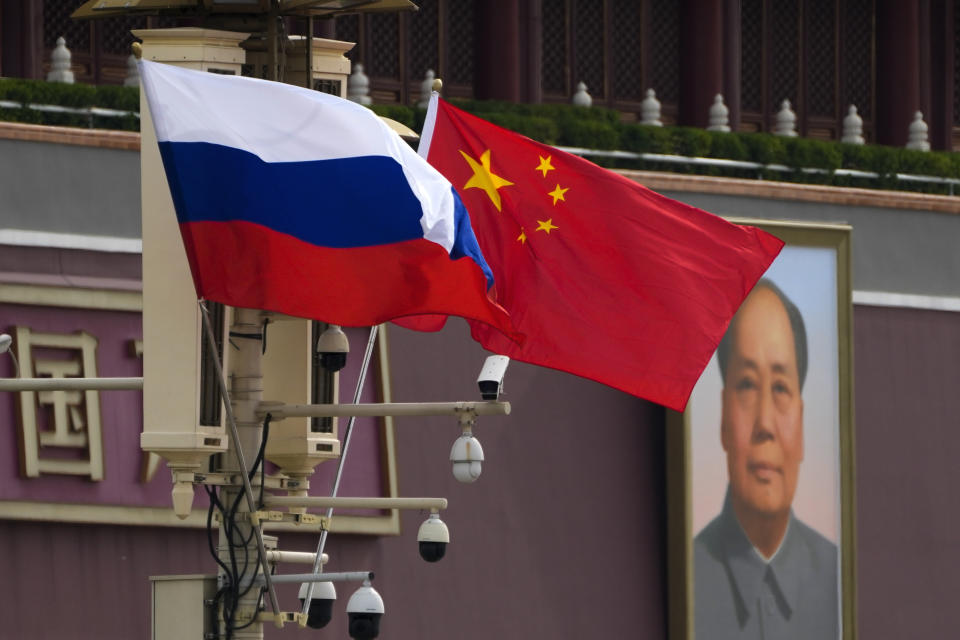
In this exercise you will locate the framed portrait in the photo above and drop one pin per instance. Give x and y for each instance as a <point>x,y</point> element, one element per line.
<point>760,466</point>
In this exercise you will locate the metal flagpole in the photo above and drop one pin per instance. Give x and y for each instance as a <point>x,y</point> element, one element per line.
<point>343,456</point>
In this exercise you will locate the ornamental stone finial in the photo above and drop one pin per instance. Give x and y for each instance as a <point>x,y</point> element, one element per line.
<point>786,124</point>
<point>133,73</point>
<point>60,63</point>
<point>358,86</point>
<point>719,115</point>
<point>581,98</point>
<point>425,88</point>
<point>852,127</point>
<point>917,134</point>
<point>650,110</point>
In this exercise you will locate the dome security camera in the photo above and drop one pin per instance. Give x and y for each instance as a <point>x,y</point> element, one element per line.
<point>333,347</point>
<point>321,604</point>
<point>5,342</point>
<point>364,611</point>
<point>433,538</point>
<point>467,457</point>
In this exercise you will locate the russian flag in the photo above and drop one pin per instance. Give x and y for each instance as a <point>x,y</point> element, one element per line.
<point>307,204</point>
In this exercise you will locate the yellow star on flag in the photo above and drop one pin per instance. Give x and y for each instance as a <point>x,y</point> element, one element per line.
<point>484,178</point>
<point>557,194</point>
<point>546,225</point>
<point>545,165</point>
<point>522,238</point>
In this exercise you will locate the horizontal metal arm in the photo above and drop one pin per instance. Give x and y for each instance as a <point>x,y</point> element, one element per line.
<point>279,411</point>
<point>324,502</point>
<point>301,557</point>
<point>342,576</point>
<point>70,384</point>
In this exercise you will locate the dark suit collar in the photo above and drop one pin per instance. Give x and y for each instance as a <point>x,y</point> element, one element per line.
<point>749,573</point>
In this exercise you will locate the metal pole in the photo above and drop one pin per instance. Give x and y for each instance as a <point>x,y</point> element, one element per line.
<point>70,384</point>
<point>238,448</point>
<point>343,576</point>
<point>279,411</point>
<point>272,41</point>
<point>343,456</point>
<point>309,48</point>
<point>319,502</point>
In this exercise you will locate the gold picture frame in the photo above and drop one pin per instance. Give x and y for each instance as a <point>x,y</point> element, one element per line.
<point>696,461</point>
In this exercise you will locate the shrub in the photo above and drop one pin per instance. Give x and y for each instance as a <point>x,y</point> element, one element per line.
<point>641,138</point>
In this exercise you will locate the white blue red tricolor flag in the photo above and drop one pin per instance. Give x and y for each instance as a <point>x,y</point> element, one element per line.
<point>307,204</point>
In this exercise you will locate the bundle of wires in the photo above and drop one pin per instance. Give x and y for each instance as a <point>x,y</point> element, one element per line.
<point>241,561</point>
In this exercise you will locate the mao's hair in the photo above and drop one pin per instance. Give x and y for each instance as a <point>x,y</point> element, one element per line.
<point>796,325</point>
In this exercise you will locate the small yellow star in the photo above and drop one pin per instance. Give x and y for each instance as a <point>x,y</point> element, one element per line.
<point>484,178</point>
<point>546,225</point>
<point>557,194</point>
<point>545,165</point>
<point>522,238</point>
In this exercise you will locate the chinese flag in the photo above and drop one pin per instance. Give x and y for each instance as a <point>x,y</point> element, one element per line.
<point>605,278</point>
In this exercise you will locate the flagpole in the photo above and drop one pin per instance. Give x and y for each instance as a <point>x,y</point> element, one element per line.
<point>318,562</point>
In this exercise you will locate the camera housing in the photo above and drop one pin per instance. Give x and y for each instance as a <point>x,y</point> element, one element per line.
<point>333,347</point>
<point>491,375</point>
<point>433,538</point>
<point>364,610</point>
<point>467,457</point>
<point>321,604</point>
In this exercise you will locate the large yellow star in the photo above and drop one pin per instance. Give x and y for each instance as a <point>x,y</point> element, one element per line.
<point>546,225</point>
<point>484,178</point>
<point>557,194</point>
<point>545,165</point>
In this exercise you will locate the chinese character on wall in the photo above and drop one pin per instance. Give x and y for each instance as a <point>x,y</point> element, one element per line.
<point>60,431</point>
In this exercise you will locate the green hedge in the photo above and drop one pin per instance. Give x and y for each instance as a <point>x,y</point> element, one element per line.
<point>69,95</point>
<point>566,125</point>
<point>599,128</point>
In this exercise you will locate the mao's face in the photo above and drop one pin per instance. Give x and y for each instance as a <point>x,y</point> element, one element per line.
<point>762,427</point>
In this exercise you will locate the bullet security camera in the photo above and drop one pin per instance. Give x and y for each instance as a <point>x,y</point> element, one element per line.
<point>5,342</point>
<point>467,457</point>
<point>333,347</point>
<point>364,611</point>
<point>321,604</point>
<point>491,375</point>
<point>433,538</point>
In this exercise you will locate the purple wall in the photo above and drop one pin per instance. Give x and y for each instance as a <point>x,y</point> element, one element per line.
<point>907,368</point>
<point>529,557</point>
<point>564,524</point>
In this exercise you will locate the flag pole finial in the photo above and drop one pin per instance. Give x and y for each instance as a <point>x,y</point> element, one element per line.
<point>137,50</point>
<point>437,85</point>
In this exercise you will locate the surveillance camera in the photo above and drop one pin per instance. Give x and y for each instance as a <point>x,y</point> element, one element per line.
<point>491,375</point>
<point>333,347</point>
<point>321,604</point>
<point>364,611</point>
<point>5,342</point>
<point>467,458</point>
<point>433,538</point>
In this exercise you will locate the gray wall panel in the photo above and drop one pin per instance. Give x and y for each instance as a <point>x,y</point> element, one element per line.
<point>894,250</point>
<point>69,189</point>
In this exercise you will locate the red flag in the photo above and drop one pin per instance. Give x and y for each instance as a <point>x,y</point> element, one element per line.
<point>607,279</point>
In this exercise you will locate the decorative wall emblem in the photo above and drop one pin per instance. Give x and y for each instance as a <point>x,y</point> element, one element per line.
<point>60,431</point>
